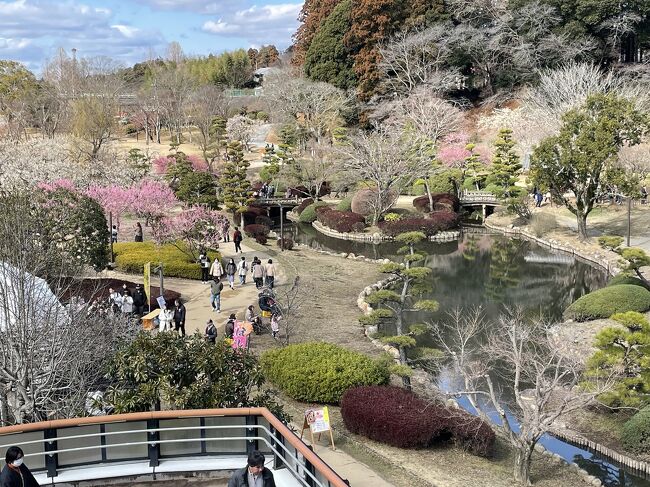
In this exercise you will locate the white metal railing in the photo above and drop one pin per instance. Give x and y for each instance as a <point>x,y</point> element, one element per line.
<point>283,456</point>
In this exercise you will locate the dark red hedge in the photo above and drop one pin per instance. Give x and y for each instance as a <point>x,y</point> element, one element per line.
<point>441,202</point>
<point>255,230</point>
<point>305,203</point>
<point>397,417</point>
<point>438,221</point>
<point>341,221</point>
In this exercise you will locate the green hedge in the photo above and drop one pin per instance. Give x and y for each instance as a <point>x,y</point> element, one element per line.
<point>345,204</point>
<point>131,257</point>
<point>608,301</point>
<point>626,279</point>
<point>321,372</point>
<point>635,435</point>
<point>308,215</point>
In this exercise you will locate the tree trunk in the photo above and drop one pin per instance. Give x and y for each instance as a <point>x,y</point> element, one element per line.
<point>428,190</point>
<point>241,220</point>
<point>523,459</point>
<point>582,226</point>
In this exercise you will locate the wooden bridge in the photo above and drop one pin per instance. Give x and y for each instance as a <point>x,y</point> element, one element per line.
<point>478,198</point>
<point>277,202</point>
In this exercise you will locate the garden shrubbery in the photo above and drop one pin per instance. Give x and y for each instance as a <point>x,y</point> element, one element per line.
<point>626,279</point>
<point>341,221</point>
<point>437,222</point>
<point>321,372</point>
<point>635,435</point>
<point>398,417</point>
<point>259,232</point>
<point>305,203</point>
<point>288,243</point>
<point>441,202</point>
<point>345,204</point>
<point>308,215</point>
<point>605,302</point>
<point>131,257</point>
<point>263,220</point>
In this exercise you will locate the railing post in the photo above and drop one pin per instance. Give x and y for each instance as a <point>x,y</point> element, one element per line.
<point>278,458</point>
<point>153,437</point>
<point>251,445</point>
<point>51,459</point>
<point>309,468</point>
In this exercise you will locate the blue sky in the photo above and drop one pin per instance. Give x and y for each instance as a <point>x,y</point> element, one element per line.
<point>32,31</point>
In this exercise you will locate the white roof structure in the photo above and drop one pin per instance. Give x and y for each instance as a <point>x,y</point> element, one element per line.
<point>25,297</point>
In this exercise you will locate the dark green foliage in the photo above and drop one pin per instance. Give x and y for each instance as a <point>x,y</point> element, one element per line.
<point>398,417</point>
<point>636,432</point>
<point>505,168</point>
<point>304,204</point>
<point>308,215</point>
<point>605,302</point>
<point>328,59</point>
<point>320,372</point>
<point>345,204</point>
<point>236,189</point>
<point>627,279</point>
<point>186,374</point>
<point>198,188</point>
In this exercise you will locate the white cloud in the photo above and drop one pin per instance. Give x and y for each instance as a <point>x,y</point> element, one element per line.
<point>198,6</point>
<point>126,30</point>
<point>267,24</point>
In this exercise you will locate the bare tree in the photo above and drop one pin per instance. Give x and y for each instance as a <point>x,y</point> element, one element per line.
<point>518,357</point>
<point>290,300</point>
<point>205,104</point>
<point>173,89</point>
<point>314,172</point>
<point>53,346</point>
<point>317,107</point>
<point>241,128</point>
<point>412,59</point>
<point>378,158</point>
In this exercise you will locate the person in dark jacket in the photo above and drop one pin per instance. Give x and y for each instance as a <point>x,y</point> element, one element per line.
<point>15,473</point>
<point>211,332</point>
<point>254,474</point>
<point>230,326</point>
<point>139,300</point>
<point>237,238</point>
<point>179,317</point>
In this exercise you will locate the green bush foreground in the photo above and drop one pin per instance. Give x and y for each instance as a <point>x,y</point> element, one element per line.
<point>131,257</point>
<point>636,432</point>
<point>321,372</point>
<point>605,302</point>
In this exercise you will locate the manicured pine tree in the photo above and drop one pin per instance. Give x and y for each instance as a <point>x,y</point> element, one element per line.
<point>237,192</point>
<point>474,167</point>
<point>506,166</point>
<point>411,281</point>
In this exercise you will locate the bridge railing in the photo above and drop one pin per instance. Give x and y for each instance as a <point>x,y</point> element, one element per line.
<point>478,197</point>
<point>74,450</point>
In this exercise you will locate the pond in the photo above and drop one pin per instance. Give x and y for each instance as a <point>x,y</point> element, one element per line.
<point>493,271</point>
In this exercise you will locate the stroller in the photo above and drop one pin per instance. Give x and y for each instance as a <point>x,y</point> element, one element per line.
<point>268,306</point>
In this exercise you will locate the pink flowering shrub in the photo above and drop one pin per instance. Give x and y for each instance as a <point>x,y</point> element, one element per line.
<point>57,184</point>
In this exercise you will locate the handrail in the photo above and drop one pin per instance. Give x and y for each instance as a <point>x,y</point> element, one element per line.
<point>329,474</point>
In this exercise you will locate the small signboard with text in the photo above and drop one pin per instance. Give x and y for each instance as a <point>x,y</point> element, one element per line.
<point>318,421</point>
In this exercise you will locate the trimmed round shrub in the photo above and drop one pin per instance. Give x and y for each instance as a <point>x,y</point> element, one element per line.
<point>261,239</point>
<point>437,222</point>
<point>308,215</point>
<point>398,417</point>
<point>635,435</point>
<point>605,302</point>
<point>254,231</point>
<point>264,220</point>
<point>441,202</point>
<point>345,204</point>
<point>304,204</point>
<point>130,257</point>
<point>627,279</point>
<point>320,372</point>
<point>288,243</point>
<point>341,221</point>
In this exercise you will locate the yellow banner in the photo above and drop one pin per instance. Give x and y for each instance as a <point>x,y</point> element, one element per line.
<point>147,282</point>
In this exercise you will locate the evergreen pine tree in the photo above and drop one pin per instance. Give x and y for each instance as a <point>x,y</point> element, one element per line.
<point>506,166</point>
<point>236,189</point>
<point>474,168</point>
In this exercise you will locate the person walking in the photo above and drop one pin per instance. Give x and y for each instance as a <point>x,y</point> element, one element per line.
<point>237,238</point>
<point>216,270</point>
<point>179,317</point>
<point>216,286</point>
<point>138,232</point>
<point>538,199</point>
<point>269,272</point>
<point>204,262</point>
<point>211,332</point>
<point>166,317</point>
<point>230,326</point>
<point>15,473</point>
<point>114,234</point>
<point>231,270</point>
<point>226,232</point>
<point>127,303</point>
<point>139,300</point>
<point>242,268</point>
<point>258,273</point>
<point>254,474</point>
